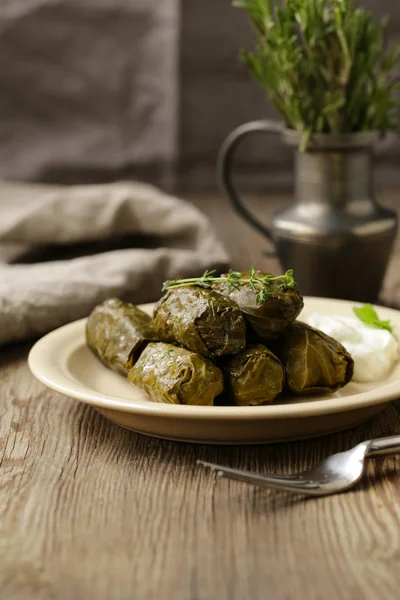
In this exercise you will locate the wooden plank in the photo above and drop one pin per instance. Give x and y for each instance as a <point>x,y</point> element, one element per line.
<point>89,510</point>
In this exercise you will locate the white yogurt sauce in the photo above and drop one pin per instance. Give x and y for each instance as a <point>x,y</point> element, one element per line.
<point>375,351</point>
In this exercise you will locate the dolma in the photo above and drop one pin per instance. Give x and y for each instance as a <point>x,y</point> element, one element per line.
<point>117,332</point>
<point>314,362</point>
<point>270,318</point>
<point>254,376</point>
<point>201,320</point>
<point>175,375</point>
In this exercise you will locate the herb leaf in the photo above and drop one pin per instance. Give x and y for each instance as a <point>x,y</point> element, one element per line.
<point>258,282</point>
<point>324,64</point>
<point>368,315</point>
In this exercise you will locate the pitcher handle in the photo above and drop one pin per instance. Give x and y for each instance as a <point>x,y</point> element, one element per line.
<point>224,167</point>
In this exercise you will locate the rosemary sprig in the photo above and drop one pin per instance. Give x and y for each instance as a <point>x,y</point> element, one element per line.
<point>325,65</point>
<point>259,283</point>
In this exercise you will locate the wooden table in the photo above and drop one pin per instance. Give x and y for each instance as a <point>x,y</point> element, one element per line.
<point>91,511</point>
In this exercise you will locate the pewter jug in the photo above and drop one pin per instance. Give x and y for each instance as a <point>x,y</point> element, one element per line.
<point>335,236</point>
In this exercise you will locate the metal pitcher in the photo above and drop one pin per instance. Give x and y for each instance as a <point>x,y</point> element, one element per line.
<point>335,236</point>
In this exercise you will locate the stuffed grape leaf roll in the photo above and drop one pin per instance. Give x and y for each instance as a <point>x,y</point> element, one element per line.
<point>201,320</point>
<point>270,317</point>
<point>254,376</point>
<point>117,332</point>
<point>314,362</point>
<point>171,374</point>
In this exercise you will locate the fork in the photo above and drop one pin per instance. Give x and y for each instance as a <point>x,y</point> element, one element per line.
<point>335,474</point>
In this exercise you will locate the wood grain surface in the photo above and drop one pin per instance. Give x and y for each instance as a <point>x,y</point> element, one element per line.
<point>91,511</point>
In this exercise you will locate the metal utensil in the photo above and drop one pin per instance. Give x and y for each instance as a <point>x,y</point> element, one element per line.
<point>335,474</point>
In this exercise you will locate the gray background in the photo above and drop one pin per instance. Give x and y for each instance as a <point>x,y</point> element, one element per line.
<point>217,95</point>
<point>96,90</point>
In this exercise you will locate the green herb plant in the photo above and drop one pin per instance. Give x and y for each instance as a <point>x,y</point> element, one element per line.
<point>324,64</point>
<point>259,283</point>
<point>368,315</point>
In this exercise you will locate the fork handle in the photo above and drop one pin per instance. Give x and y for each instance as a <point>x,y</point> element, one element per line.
<point>386,445</point>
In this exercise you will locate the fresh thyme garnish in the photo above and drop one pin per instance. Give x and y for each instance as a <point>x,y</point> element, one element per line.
<point>259,283</point>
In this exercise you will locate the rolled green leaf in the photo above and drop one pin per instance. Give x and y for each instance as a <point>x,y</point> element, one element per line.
<point>201,320</point>
<point>254,376</point>
<point>314,362</point>
<point>269,318</point>
<point>117,332</point>
<point>175,375</point>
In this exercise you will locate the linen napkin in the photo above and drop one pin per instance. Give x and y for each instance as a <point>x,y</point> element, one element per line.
<point>65,249</point>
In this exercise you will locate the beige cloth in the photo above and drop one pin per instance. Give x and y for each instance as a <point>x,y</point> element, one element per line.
<point>122,239</point>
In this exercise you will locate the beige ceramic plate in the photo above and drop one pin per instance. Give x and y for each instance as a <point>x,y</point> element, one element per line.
<point>62,361</point>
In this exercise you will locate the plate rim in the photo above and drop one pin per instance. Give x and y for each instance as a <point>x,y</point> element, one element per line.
<point>297,409</point>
